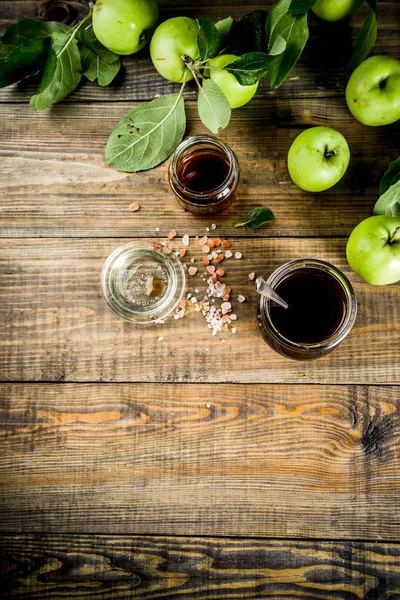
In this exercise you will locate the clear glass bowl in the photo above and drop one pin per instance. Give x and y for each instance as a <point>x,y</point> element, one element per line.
<point>142,284</point>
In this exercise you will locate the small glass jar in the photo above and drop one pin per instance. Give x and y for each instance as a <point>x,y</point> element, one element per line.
<point>329,304</point>
<point>142,284</point>
<point>204,175</point>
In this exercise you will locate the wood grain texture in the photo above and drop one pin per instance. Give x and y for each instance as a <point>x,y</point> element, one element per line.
<point>247,460</point>
<point>53,181</point>
<point>104,567</point>
<point>57,326</point>
<point>321,71</point>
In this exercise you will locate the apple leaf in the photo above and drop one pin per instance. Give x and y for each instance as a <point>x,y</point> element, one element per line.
<point>294,30</point>
<point>247,35</point>
<point>300,7</point>
<point>89,40</point>
<point>224,26</point>
<point>62,73</point>
<point>257,217</point>
<point>365,40</point>
<point>97,61</point>
<point>391,176</point>
<point>213,106</point>
<point>94,67</point>
<point>24,49</point>
<point>249,68</point>
<point>389,203</point>
<point>147,135</point>
<point>208,39</point>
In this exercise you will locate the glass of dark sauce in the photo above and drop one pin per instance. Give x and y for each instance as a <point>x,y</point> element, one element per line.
<point>204,175</point>
<point>322,309</point>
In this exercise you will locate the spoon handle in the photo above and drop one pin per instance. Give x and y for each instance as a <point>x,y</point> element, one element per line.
<point>265,290</point>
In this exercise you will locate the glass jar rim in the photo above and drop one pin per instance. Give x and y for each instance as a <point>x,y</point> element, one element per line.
<point>202,139</point>
<point>123,309</point>
<point>351,304</point>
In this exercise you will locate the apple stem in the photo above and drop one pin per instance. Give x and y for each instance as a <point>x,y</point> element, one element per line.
<point>328,153</point>
<point>395,237</point>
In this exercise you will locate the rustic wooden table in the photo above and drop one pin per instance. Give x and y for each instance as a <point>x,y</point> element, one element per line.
<point>134,468</point>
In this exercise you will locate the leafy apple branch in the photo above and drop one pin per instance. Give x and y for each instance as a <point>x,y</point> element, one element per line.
<point>266,44</point>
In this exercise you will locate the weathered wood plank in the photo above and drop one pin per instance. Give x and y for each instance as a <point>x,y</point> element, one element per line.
<point>53,180</point>
<point>320,72</point>
<point>58,327</point>
<point>248,460</point>
<point>104,567</point>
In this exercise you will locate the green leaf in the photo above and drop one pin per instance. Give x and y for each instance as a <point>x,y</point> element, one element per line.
<point>94,67</point>
<point>147,135</point>
<point>294,30</point>
<point>224,26</point>
<point>24,49</point>
<point>89,40</point>
<point>248,34</point>
<point>208,39</point>
<point>300,7</point>
<point>249,68</point>
<point>391,176</point>
<point>214,109</point>
<point>365,40</point>
<point>389,203</point>
<point>62,73</point>
<point>257,217</point>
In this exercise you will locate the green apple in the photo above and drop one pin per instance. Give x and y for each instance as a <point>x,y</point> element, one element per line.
<point>237,94</point>
<point>318,158</point>
<point>124,26</point>
<point>373,91</point>
<point>373,250</point>
<point>334,10</point>
<point>171,40</point>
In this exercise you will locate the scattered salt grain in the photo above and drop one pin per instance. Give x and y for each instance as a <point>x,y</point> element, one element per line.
<point>196,291</point>
<point>192,260</point>
<point>176,316</point>
<point>226,307</point>
<point>193,299</point>
<point>223,341</point>
<point>172,234</point>
<point>185,240</point>
<point>233,317</point>
<point>241,298</point>
<point>160,339</point>
<point>203,240</point>
<point>251,276</point>
<point>238,255</point>
<point>188,295</point>
<point>228,254</point>
<point>157,229</point>
<point>207,229</point>
<point>192,270</point>
<point>182,252</point>
<point>233,329</point>
<point>214,226</point>
<point>134,207</point>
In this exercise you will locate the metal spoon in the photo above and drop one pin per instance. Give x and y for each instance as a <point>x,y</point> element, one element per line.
<point>266,290</point>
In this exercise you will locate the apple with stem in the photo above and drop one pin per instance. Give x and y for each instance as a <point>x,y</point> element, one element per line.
<point>318,158</point>
<point>373,91</point>
<point>173,39</point>
<point>373,250</point>
<point>334,10</point>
